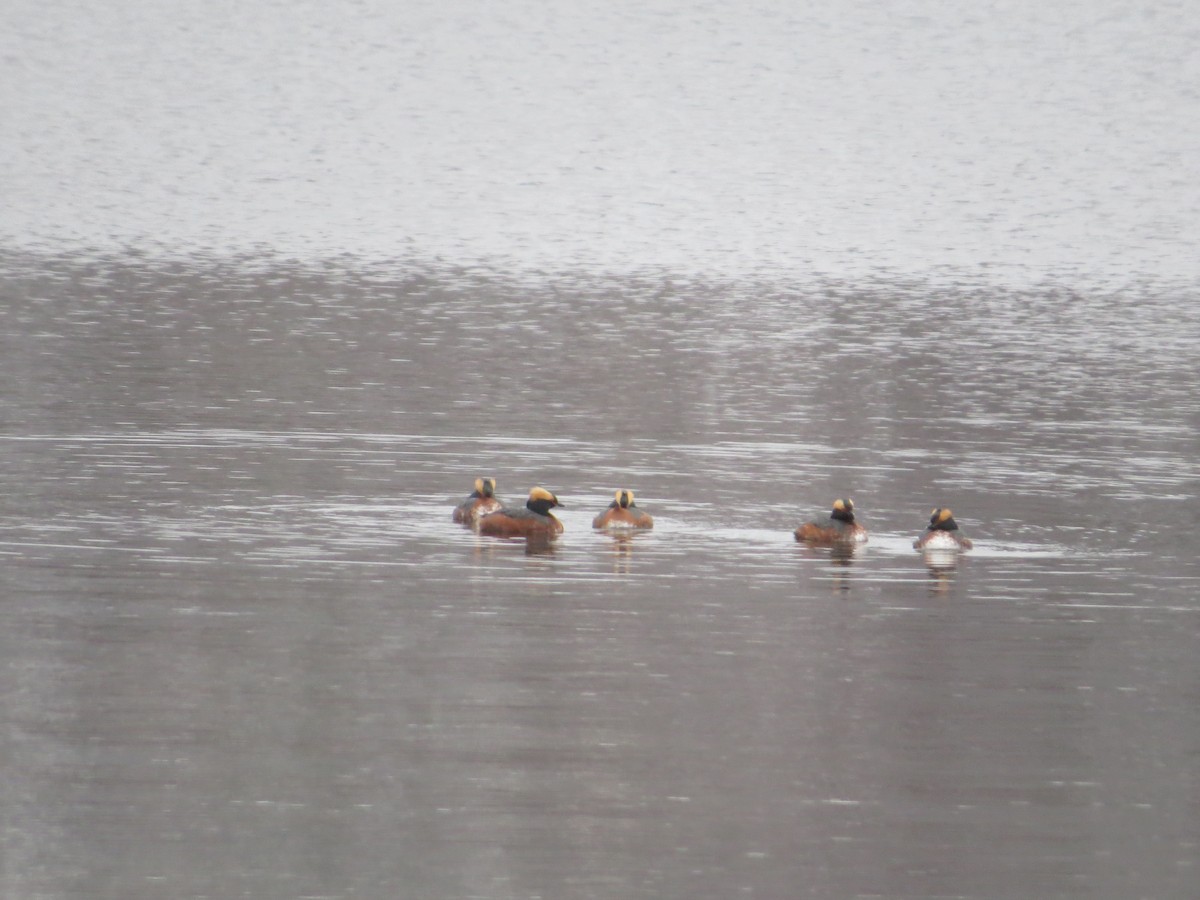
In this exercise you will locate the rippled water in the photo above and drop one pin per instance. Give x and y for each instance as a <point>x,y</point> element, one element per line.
<point>1007,142</point>
<point>247,652</point>
<point>278,282</point>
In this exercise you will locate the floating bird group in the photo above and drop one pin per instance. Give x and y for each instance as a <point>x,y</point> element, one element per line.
<point>483,512</point>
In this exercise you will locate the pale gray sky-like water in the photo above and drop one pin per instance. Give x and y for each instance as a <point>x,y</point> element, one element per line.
<point>1004,143</point>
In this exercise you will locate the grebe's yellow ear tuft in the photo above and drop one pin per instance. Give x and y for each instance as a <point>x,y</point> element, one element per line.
<point>540,493</point>
<point>479,486</point>
<point>943,515</point>
<point>839,505</point>
<point>849,504</point>
<point>933,512</point>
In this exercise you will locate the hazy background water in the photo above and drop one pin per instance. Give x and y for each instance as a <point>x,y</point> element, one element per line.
<point>277,282</point>
<point>1011,140</point>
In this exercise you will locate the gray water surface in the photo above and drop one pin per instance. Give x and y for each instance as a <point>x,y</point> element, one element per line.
<point>248,654</point>
<point>919,138</point>
<point>278,281</point>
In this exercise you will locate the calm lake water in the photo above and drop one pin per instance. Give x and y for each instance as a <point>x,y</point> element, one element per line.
<point>277,283</point>
<point>247,653</point>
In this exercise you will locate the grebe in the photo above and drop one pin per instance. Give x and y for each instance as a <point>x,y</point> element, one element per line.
<point>840,530</point>
<point>623,514</point>
<point>481,502</point>
<point>942,533</point>
<point>531,520</point>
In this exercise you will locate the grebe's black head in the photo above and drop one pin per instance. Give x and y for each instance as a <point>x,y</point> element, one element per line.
<point>624,499</point>
<point>541,501</point>
<point>485,487</point>
<point>942,520</point>
<point>843,510</point>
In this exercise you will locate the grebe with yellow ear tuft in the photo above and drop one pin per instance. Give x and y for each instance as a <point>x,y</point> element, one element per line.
<point>840,530</point>
<point>481,502</point>
<point>532,520</point>
<point>942,533</point>
<point>623,514</point>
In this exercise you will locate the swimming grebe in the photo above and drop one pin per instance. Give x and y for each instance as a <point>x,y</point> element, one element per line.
<point>532,520</point>
<point>481,502</point>
<point>942,533</point>
<point>623,514</point>
<point>841,529</point>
